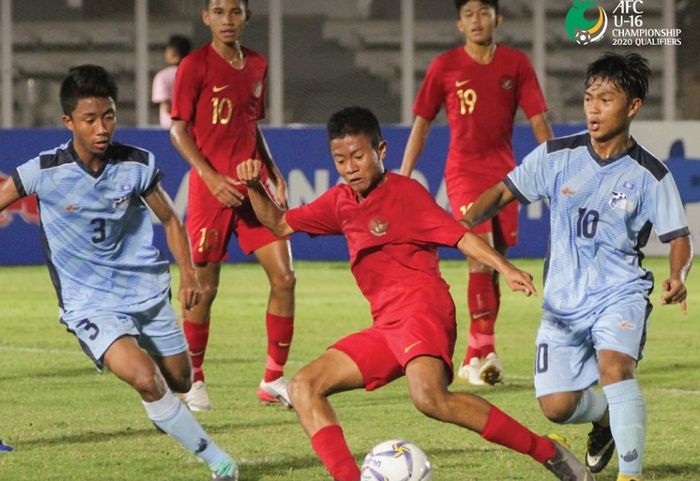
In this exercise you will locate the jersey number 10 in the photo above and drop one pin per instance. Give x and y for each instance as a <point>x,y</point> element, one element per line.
<point>222,111</point>
<point>587,223</point>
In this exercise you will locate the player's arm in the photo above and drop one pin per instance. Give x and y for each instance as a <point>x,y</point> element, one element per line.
<point>541,128</point>
<point>680,259</point>
<point>165,105</point>
<point>176,235</point>
<point>272,170</point>
<point>487,205</point>
<point>474,247</point>
<point>415,144</point>
<point>268,212</point>
<point>221,186</point>
<point>8,193</point>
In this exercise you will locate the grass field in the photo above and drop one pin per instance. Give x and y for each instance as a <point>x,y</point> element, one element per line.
<point>67,422</point>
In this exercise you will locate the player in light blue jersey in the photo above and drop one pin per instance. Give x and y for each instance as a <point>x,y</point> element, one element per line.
<point>113,285</point>
<point>606,192</point>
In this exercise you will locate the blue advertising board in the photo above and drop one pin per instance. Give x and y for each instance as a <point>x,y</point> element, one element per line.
<point>303,157</point>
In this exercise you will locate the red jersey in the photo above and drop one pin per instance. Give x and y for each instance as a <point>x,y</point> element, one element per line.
<point>221,106</point>
<point>392,238</point>
<point>480,102</point>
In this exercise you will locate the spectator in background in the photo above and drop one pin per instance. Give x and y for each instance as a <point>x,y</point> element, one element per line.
<point>164,82</point>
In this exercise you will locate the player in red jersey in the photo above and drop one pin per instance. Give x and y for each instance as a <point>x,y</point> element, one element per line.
<point>393,228</point>
<point>481,84</point>
<point>218,100</point>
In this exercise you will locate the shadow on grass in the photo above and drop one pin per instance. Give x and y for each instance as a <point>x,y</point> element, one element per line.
<point>663,471</point>
<point>91,436</point>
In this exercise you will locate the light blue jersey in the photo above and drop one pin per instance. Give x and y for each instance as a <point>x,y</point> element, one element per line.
<point>96,229</point>
<point>602,212</point>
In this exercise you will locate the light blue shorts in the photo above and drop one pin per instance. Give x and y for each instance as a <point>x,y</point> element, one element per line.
<point>566,358</point>
<point>155,328</point>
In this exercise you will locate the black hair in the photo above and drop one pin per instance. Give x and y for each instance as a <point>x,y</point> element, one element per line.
<point>354,121</point>
<point>180,44</point>
<point>86,81</point>
<point>491,3</point>
<point>206,4</point>
<point>630,73</point>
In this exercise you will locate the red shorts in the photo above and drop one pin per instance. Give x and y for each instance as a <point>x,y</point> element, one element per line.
<point>382,351</point>
<point>210,231</point>
<point>503,225</point>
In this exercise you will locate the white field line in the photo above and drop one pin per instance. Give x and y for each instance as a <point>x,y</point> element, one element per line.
<point>39,350</point>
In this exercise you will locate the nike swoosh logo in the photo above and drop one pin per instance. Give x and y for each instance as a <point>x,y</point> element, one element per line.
<point>459,83</point>
<point>480,315</point>
<point>594,459</point>
<point>283,344</point>
<point>216,89</point>
<point>408,348</point>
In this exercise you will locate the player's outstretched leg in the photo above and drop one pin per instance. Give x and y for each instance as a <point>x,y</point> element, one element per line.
<point>427,382</point>
<point>564,465</point>
<point>333,372</point>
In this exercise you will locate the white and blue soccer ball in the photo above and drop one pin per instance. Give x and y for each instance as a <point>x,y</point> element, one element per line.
<point>396,460</point>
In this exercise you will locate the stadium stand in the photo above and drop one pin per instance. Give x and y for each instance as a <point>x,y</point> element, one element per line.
<point>335,52</point>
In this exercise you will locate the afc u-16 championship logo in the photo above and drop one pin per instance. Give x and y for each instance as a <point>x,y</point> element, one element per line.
<point>584,30</point>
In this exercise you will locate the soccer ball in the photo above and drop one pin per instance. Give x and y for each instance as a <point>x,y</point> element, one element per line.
<point>396,460</point>
<point>583,37</point>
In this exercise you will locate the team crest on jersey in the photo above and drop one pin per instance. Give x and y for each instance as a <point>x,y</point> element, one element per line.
<point>507,83</point>
<point>257,89</point>
<point>378,226</point>
<point>619,200</point>
<point>120,203</point>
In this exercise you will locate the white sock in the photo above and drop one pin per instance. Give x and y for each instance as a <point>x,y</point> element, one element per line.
<point>628,420</point>
<point>169,414</point>
<point>590,408</point>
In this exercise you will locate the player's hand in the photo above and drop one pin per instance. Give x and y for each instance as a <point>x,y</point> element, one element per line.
<point>249,172</point>
<point>675,292</point>
<point>190,291</point>
<point>520,281</point>
<point>224,189</point>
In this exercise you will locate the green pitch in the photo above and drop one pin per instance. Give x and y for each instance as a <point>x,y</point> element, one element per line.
<point>67,422</point>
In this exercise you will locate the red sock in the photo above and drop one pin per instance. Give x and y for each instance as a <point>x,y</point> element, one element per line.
<point>506,431</point>
<point>280,330</point>
<point>197,336</point>
<point>483,305</point>
<point>330,446</point>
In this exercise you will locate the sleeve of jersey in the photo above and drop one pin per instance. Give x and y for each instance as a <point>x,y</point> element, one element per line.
<point>531,99</point>
<point>187,81</point>
<point>151,177</point>
<point>667,214</point>
<point>430,96</point>
<point>428,222</point>
<point>317,218</point>
<point>529,181</point>
<point>26,177</point>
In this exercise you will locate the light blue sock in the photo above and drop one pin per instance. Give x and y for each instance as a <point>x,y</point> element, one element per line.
<point>628,422</point>
<point>590,408</point>
<point>169,414</point>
